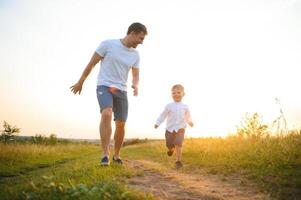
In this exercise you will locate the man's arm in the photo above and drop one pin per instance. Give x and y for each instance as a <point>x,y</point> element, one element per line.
<point>93,61</point>
<point>135,75</point>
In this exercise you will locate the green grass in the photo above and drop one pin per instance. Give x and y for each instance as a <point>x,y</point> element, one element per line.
<point>20,158</point>
<point>78,177</point>
<point>71,171</point>
<point>274,163</point>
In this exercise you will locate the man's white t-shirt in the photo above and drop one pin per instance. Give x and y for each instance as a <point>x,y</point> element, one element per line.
<point>116,64</point>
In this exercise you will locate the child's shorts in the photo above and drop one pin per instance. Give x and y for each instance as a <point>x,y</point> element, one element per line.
<point>113,98</point>
<point>174,138</point>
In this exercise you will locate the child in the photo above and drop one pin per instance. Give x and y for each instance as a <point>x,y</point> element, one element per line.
<point>177,114</point>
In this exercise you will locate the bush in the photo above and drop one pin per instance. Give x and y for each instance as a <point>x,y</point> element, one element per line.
<point>134,141</point>
<point>252,127</point>
<point>9,133</point>
<point>38,139</point>
<point>42,139</point>
<point>52,139</point>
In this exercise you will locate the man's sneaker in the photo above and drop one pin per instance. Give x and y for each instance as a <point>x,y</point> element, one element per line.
<point>179,164</point>
<point>117,161</point>
<point>104,161</point>
<point>170,152</point>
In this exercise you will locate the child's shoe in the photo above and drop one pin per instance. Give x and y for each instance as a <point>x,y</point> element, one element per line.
<point>179,164</point>
<point>170,152</point>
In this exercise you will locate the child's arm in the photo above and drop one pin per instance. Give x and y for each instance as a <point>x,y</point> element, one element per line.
<point>161,118</point>
<point>188,118</point>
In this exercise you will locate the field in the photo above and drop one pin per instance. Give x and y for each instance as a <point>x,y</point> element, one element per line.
<point>67,171</point>
<point>270,165</point>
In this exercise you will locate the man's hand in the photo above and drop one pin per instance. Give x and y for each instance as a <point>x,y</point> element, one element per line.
<point>156,126</point>
<point>190,124</point>
<point>135,74</point>
<point>135,87</point>
<point>76,88</point>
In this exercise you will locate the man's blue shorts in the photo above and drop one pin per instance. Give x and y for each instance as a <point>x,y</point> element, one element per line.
<point>114,98</point>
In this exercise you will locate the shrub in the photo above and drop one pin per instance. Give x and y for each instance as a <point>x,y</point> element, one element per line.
<point>38,139</point>
<point>134,141</point>
<point>9,133</point>
<point>52,139</point>
<point>252,127</point>
<point>42,139</point>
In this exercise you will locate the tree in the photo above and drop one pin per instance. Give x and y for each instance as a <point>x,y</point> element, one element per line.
<point>9,133</point>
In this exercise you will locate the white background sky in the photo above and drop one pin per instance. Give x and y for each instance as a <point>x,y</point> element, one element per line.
<point>232,56</point>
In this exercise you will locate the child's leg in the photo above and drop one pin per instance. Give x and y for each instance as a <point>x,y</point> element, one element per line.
<point>178,144</point>
<point>169,137</point>
<point>178,153</point>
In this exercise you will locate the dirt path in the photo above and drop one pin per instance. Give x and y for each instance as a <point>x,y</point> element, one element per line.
<point>165,183</point>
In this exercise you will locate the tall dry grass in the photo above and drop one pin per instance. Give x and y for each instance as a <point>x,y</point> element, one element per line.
<point>15,158</point>
<point>269,153</point>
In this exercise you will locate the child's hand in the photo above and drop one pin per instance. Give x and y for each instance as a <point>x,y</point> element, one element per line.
<point>190,124</point>
<point>156,126</point>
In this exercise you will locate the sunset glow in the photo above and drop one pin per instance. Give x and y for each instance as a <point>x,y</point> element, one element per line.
<point>233,57</point>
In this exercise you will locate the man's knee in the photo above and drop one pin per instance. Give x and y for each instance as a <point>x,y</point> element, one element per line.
<point>106,113</point>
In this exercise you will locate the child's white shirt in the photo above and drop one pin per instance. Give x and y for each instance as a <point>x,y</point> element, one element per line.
<point>177,114</point>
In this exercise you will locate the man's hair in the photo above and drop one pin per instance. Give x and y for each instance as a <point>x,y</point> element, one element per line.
<point>137,28</point>
<point>178,86</point>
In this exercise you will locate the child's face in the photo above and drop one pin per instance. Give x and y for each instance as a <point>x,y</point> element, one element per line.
<point>177,94</point>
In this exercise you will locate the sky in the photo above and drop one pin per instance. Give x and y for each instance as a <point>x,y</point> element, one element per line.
<point>233,57</point>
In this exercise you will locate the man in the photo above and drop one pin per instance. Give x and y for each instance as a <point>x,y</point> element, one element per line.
<point>117,57</point>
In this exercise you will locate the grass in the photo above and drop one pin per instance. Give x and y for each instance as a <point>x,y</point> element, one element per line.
<point>79,177</point>
<point>71,171</point>
<point>19,158</point>
<point>274,163</point>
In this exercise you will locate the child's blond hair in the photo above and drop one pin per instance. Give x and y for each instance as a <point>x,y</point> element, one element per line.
<point>178,86</point>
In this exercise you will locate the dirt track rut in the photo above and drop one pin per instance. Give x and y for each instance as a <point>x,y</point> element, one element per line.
<point>168,184</point>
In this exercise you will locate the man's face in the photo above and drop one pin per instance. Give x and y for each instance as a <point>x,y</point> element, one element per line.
<point>137,38</point>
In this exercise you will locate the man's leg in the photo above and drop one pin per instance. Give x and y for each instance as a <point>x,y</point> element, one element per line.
<point>105,130</point>
<point>118,137</point>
